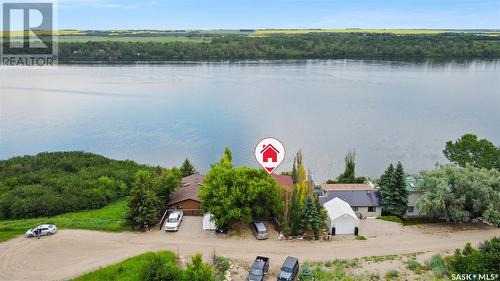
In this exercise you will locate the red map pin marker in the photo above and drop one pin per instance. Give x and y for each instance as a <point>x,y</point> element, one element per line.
<point>269,153</point>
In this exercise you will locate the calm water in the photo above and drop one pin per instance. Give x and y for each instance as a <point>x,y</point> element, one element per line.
<point>162,114</point>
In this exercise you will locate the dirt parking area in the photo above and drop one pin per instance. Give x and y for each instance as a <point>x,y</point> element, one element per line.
<point>71,253</point>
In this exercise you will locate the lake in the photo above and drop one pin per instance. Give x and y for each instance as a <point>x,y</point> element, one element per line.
<point>161,114</point>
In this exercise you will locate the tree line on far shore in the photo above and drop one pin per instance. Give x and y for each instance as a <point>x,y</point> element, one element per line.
<point>311,46</point>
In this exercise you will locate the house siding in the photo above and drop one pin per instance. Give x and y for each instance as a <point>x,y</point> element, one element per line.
<point>189,207</point>
<point>412,202</point>
<point>364,211</point>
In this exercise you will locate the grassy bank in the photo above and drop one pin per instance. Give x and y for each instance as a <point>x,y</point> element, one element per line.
<point>109,218</point>
<point>129,269</point>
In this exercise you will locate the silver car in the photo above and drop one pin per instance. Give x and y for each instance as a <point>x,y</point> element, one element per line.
<point>44,229</point>
<point>260,230</point>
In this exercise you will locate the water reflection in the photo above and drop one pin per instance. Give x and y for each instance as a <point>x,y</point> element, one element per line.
<point>160,114</point>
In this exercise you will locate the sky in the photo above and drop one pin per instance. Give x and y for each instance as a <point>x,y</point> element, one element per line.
<point>258,14</point>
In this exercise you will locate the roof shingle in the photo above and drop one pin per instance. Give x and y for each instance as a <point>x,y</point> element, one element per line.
<point>188,190</point>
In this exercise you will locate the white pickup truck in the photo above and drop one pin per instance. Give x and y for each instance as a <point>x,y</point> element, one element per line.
<point>173,221</point>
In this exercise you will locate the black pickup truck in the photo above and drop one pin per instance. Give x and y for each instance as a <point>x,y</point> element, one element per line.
<point>259,269</point>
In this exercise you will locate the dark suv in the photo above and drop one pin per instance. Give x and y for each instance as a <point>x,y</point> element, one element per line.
<point>289,269</point>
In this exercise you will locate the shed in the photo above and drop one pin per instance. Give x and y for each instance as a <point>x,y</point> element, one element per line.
<point>341,217</point>
<point>208,224</point>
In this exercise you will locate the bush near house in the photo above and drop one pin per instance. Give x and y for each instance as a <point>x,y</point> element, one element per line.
<point>239,194</point>
<point>457,194</point>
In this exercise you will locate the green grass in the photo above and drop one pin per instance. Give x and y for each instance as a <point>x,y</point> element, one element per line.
<point>437,265</point>
<point>390,218</point>
<point>414,266</point>
<point>360,237</point>
<point>127,270</point>
<point>109,218</point>
<point>419,220</point>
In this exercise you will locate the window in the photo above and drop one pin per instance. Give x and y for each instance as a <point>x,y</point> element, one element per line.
<point>372,209</point>
<point>355,209</point>
<point>411,209</point>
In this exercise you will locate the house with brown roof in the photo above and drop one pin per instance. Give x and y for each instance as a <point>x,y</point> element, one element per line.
<point>283,180</point>
<point>186,197</point>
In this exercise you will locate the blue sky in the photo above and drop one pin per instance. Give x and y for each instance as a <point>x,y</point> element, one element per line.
<point>211,14</point>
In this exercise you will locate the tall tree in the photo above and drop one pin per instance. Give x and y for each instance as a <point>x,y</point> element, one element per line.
<point>385,187</point>
<point>400,199</point>
<point>295,215</point>
<point>469,150</point>
<point>239,194</point>
<point>166,183</point>
<point>294,170</point>
<point>393,190</point>
<point>349,174</point>
<point>143,202</point>
<point>187,168</point>
<point>350,166</point>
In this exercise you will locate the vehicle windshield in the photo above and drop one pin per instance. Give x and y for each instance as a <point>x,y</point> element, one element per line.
<point>172,220</point>
<point>286,269</point>
<point>256,271</point>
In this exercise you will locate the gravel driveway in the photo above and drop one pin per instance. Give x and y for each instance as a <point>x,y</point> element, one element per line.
<point>70,253</point>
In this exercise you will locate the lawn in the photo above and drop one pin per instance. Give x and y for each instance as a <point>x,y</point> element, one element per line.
<point>127,270</point>
<point>109,218</point>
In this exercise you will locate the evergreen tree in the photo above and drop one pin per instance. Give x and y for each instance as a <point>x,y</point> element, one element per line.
<point>385,187</point>
<point>393,190</point>
<point>312,219</point>
<point>143,203</point>
<point>400,200</point>
<point>187,168</point>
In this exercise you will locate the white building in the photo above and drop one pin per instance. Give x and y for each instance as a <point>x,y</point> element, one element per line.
<point>208,224</point>
<point>341,217</point>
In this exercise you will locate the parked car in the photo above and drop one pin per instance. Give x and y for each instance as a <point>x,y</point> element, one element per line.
<point>45,229</point>
<point>260,230</point>
<point>174,220</point>
<point>289,269</point>
<point>259,269</point>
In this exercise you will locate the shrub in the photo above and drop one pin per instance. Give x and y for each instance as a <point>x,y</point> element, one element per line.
<point>305,273</point>
<point>390,218</point>
<point>199,271</point>
<point>414,266</point>
<point>360,237</point>
<point>436,264</point>
<point>484,260</point>
<point>222,265</point>
<point>391,274</point>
